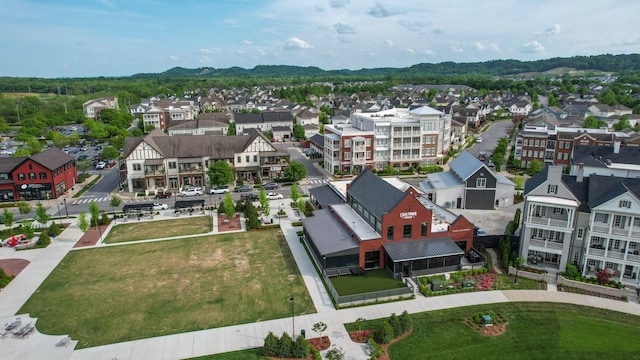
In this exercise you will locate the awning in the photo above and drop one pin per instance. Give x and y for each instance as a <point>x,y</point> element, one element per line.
<point>422,249</point>
<point>137,207</point>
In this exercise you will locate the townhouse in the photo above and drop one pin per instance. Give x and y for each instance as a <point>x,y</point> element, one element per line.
<point>158,161</point>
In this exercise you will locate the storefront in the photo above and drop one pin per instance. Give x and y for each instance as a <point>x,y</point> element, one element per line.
<point>34,191</point>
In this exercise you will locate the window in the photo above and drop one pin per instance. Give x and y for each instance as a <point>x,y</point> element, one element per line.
<point>603,218</point>
<point>347,155</point>
<point>625,204</point>
<point>610,265</point>
<point>247,158</point>
<point>406,231</point>
<point>591,262</point>
<point>347,143</point>
<point>43,175</point>
<point>32,176</point>
<point>558,210</point>
<point>481,182</point>
<point>580,233</point>
<point>423,229</point>
<point>137,167</point>
<point>255,158</point>
<point>4,176</point>
<point>636,221</point>
<point>367,142</point>
<point>618,220</point>
<point>239,159</point>
<point>389,232</point>
<point>172,165</point>
<point>552,189</point>
<point>21,176</point>
<point>559,156</point>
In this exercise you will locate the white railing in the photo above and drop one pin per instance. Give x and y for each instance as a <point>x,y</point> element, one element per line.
<point>554,245</point>
<point>536,242</point>
<point>549,222</point>
<point>600,229</point>
<point>615,254</point>
<point>632,257</point>
<point>618,231</point>
<point>597,252</point>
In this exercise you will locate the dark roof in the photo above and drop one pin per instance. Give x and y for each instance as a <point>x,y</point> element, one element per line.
<point>7,164</point>
<point>605,188</point>
<point>52,158</point>
<point>325,195</point>
<point>597,156</point>
<point>536,180</point>
<point>266,116</point>
<point>421,249</point>
<point>277,116</point>
<point>375,194</point>
<point>579,189</point>
<point>248,118</point>
<point>185,204</point>
<point>318,140</point>
<point>328,235</point>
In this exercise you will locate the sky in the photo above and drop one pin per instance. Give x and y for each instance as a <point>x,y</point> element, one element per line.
<point>87,38</point>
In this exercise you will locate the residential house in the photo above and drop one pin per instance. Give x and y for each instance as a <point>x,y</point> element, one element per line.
<point>264,122</point>
<point>469,184</point>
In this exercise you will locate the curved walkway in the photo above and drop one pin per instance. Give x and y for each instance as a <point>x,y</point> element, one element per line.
<point>232,338</point>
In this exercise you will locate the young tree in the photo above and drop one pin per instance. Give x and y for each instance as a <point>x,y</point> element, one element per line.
<point>319,328</point>
<point>229,208</point>
<point>94,210</point>
<point>220,173</point>
<point>28,230</point>
<point>591,122</point>
<point>300,348</point>
<point>295,194</point>
<point>286,343</point>
<point>359,323</point>
<point>109,153</point>
<point>604,276</point>
<point>83,165</point>
<point>231,131</point>
<point>251,214</point>
<point>271,345</point>
<point>264,202</point>
<point>535,166</point>
<point>298,132</point>
<point>83,224</point>
<point>7,219</point>
<point>41,214</point>
<point>295,171</point>
<point>24,208</point>
<point>115,202</point>
<point>384,333</point>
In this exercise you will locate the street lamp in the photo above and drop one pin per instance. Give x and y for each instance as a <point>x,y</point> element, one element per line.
<point>293,319</point>
<point>59,217</point>
<point>324,262</point>
<point>65,207</point>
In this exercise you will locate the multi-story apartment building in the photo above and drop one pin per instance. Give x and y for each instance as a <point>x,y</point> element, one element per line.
<point>158,161</point>
<point>92,108</point>
<point>402,138</point>
<point>347,149</point>
<point>591,222</point>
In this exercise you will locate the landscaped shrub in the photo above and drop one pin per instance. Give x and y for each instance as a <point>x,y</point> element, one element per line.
<point>316,353</point>
<point>395,325</point>
<point>603,276</point>
<point>406,323</point>
<point>384,333</point>
<point>240,205</point>
<point>4,278</point>
<point>271,345</point>
<point>44,239</point>
<point>54,229</point>
<point>571,272</point>
<point>105,220</point>
<point>377,349</point>
<point>285,345</point>
<point>300,348</point>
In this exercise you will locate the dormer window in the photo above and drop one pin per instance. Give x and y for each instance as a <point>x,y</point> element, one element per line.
<point>552,189</point>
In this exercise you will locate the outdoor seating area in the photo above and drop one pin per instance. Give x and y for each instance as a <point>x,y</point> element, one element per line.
<point>344,271</point>
<point>17,329</point>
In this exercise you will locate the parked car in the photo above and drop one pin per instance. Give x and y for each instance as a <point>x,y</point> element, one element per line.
<point>481,156</point>
<point>480,232</point>
<point>479,140</point>
<point>192,192</point>
<point>270,186</point>
<point>274,196</point>
<point>163,195</point>
<point>250,197</point>
<point>490,163</point>
<point>101,165</point>
<point>160,206</point>
<point>243,188</point>
<point>219,190</point>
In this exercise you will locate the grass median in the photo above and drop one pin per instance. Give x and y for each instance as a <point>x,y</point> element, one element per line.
<point>113,294</point>
<point>145,230</point>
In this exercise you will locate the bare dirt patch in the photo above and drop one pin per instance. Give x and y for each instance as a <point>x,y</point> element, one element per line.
<point>13,267</point>
<point>493,330</point>
<point>225,224</point>
<point>91,237</point>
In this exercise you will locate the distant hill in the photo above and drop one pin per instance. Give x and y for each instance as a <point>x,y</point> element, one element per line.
<point>605,63</point>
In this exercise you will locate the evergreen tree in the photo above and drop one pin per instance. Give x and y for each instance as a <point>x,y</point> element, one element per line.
<point>271,345</point>
<point>229,209</point>
<point>384,333</point>
<point>285,346</point>
<point>396,326</point>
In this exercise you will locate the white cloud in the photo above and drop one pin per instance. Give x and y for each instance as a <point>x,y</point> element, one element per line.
<point>262,52</point>
<point>417,26</point>
<point>344,29</point>
<point>532,47</point>
<point>410,51</point>
<point>294,43</point>
<point>489,47</point>
<point>209,50</point>
<point>173,57</point>
<point>339,3</point>
<point>551,30</point>
<point>456,46</point>
<point>379,11</point>
<point>388,43</point>
<point>247,42</point>
<point>427,52</point>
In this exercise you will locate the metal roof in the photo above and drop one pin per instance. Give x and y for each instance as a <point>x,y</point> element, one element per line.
<point>422,249</point>
<point>442,180</point>
<point>386,195</point>
<point>325,195</point>
<point>328,235</point>
<point>465,165</point>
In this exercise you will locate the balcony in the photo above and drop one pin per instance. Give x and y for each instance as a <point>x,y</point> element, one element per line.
<point>633,257</point>
<point>616,254</point>
<point>596,252</point>
<point>358,160</point>
<point>549,222</point>
<point>547,244</point>
<point>600,229</point>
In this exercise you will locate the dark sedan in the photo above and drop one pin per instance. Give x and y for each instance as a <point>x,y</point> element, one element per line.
<point>270,186</point>
<point>244,188</point>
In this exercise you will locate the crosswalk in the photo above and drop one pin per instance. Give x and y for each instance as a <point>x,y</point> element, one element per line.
<point>317,181</point>
<point>108,198</point>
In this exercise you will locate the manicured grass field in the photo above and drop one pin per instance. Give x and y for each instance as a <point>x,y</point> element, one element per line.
<point>372,280</point>
<point>112,294</point>
<point>250,354</point>
<point>535,331</point>
<point>144,230</point>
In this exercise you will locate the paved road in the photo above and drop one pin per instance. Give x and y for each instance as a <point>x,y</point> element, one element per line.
<point>490,138</point>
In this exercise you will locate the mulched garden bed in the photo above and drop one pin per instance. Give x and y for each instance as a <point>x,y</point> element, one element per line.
<point>570,289</point>
<point>226,224</point>
<point>320,343</point>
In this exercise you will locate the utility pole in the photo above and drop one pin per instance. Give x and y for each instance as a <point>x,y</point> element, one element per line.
<point>18,112</point>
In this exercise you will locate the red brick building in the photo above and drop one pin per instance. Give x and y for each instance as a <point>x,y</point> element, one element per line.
<point>42,176</point>
<point>381,226</point>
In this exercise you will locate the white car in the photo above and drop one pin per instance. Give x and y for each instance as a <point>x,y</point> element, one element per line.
<point>160,206</point>
<point>192,192</point>
<point>479,140</point>
<point>101,165</point>
<point>219,190</point>
<point>274,196</point>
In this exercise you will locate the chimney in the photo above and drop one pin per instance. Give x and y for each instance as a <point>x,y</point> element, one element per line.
<point>616,146</point>
<point>580,174</point>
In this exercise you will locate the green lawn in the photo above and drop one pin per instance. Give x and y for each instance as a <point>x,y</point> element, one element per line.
<point>250,354</point>
<point>372,280</point>
<point>112,294</point>
<point>535,331</point>
<point>144,230</point>
<point>504,282</point>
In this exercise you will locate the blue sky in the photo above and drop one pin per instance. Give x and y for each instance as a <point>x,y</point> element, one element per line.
<point>69,38</point>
